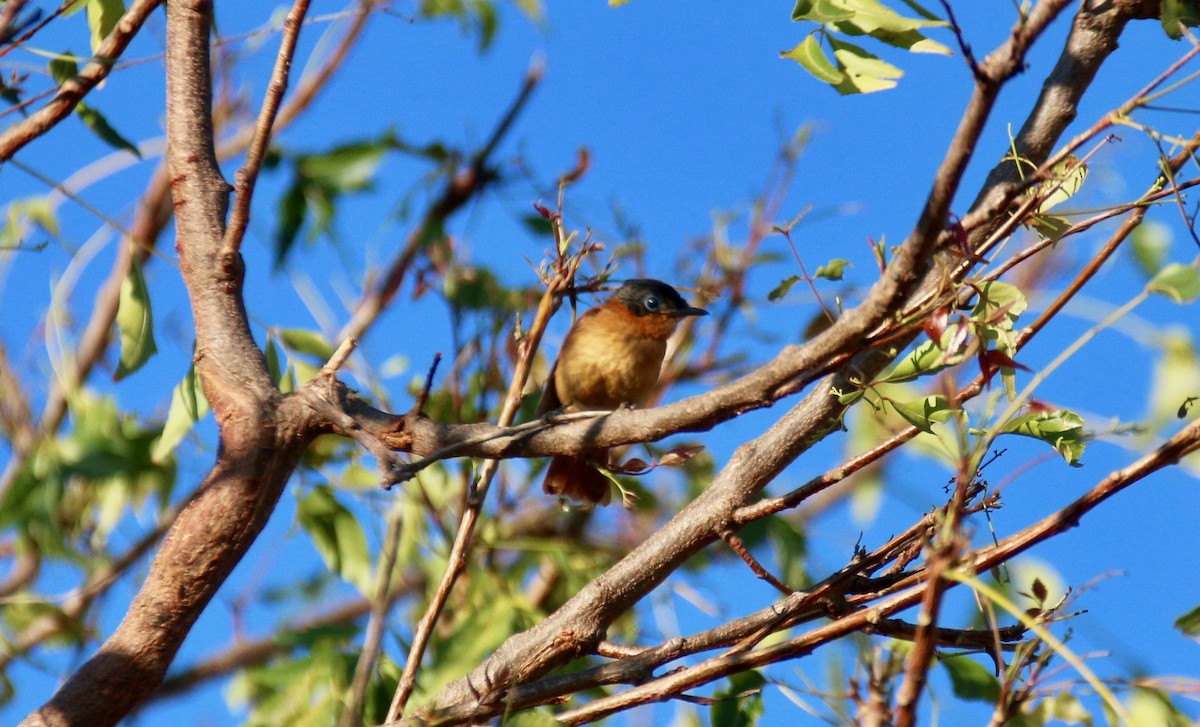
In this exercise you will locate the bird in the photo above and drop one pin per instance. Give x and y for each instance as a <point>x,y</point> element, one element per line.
<point>609,359</point>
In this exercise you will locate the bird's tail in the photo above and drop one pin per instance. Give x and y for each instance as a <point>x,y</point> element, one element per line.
<point>578,479</point>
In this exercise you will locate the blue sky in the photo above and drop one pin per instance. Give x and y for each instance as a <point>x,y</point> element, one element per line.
<point>682,107</point>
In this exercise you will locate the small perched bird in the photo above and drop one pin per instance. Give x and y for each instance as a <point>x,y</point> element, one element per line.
<point>610,358</point>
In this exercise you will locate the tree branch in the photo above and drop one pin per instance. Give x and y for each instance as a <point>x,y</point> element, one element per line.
<point>73,90</point>
<point>247,176</point>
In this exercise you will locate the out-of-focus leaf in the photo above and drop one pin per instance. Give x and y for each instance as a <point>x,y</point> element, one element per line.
<point>740,704</point>
<point>1066,707</point>
<point>319,180</point>
<point>1153,707</point>
<point>494,619</point>
<point>1180,283</point>
<point>63,67</point>
<point>809,54</point>
<point>1049,227</point>
<point>1061,429</point>
<point>1066,177</point>
<point>537,224</point>
<point>784,286</point>
<point>1189,623</point>
<point>188,404</point>
<point>102,17</point>
<point>474,288</point>
<point>337,536</point>
<point>23,212</point>
<point>540,717</point>
<point>348,168</point>
<point>1176,376</point>
<point>970,680</point>
<point>99,125</point>
<point>135,322</point>
<point>1179,14</point>
<point>274,367</point>
<point>1151,243</point>
<point>292,207</point>
<point>306,342</point>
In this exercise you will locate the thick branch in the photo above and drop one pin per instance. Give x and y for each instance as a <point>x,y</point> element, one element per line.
<point>261,435</point>
<point>579,625</point>
<point>1093,38</point>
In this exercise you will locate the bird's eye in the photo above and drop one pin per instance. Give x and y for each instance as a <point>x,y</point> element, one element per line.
<point>652,303</point>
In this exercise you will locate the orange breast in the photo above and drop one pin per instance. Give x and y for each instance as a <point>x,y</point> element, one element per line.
<point>610,357</point>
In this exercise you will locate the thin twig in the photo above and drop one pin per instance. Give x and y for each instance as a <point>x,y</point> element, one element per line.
<point>736,545</point>
<point>419,405</point>
<point>373,640</point>
<point>247,176</point>
<point>478,489</point>
<point>459,189</point>
<point>338,359</point>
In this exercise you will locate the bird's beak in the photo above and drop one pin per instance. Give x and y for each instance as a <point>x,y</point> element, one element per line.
<point>692,312</point>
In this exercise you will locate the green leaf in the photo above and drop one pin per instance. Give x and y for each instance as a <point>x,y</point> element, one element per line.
<point>886,25</point>
<point>1049,227</point>
<point>292,208</point>
<point>102,17</point>
<point>1061,429</point>
<point>820,11</point>
<point>99,125</point>
<point>348,168</point>
<point>1151,243</point>
<point>135,322</point>
<point>306,342</point>
<point>537,224</point>
<point>784,286</point>
<point>274,369</point>
<point>925,359</point>
<point>540,717</point>
<point>970,680</point>
<point>740,704</point>
<point>1189,623</point>
<point>63,68</point>
<point>995,296</point>
<point>1178,14</point>
<point>864,72</point>
<point>832,270</point>
<point>337,536</point>
<point>318,181</point>
<point>923,412</point>
<point>188,405</point>
<point>871,15</point>
<point>21,212</point>
<point>812,58</point>
<point>1066,177</point>
<point>1180,283</point>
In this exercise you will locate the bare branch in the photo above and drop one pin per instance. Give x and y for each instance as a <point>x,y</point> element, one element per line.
<point>73,90</point>
<point>464,186</point>
<point>248,174</point>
